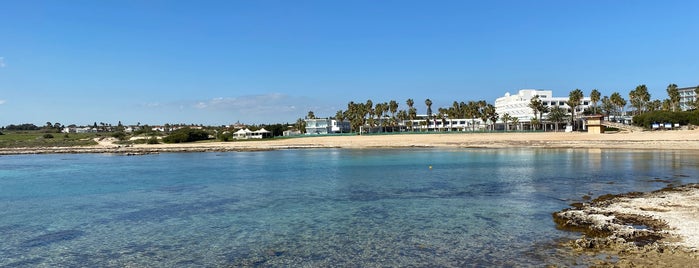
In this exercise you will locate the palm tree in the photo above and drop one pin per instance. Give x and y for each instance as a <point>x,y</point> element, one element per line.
<point>674,96</point>
<point>574,99</point>
<point>505,118</point>
<point>311,115</point>
<point>639,98</point>
<point>607,106</point>
<point>619,103</point>
<point>301,125</point>
<point>428,102</point>
<point>340,116</point>
<point>472,112</point>
<point>393,108</point>
<point>538,107</point>
<point>491,114</point>
<point>515,121</point>
<point>557,115</point>
<point>485,113</point>
<point>412,112</point>
<point>594,97</point>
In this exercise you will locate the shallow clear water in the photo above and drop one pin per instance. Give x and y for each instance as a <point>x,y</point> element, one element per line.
<point>310,208</point>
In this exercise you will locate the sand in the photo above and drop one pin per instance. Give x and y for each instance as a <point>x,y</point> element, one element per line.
<point>664,140</point>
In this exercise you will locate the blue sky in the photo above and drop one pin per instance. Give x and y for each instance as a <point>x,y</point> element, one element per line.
<point>218,62</point>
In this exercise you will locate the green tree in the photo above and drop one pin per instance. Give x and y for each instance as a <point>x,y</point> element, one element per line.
<point>607,106</point>
<point>594,98</point>
<point>505,119</point>
<point>412,112</point>
<point>515,122</point>
<point>654,105</point>
<point>340,117</point>
<point>639,98</point>
<point>674,95</point>
<point>428,103</point>
<point>539,108</point>
<point>619,103</point>
<point>574,98</point>
<point>311,115</point>
<point>472,111</point>
<point>393,108</point>
<point>557,115</point>
<point>492,115</point>
<point>695,103</point>
<point>186,134</point>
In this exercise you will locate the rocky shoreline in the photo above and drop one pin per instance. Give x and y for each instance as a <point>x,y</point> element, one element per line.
<point>639,229</point>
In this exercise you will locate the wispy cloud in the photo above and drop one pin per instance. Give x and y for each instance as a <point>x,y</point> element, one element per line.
<point>272,107</point>
<point>2,102</point>
<point>255,104</point>
<point>2,62</point>
<point>261,108</point>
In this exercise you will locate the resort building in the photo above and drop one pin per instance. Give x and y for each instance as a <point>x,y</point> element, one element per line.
<point>325,126</point>
<point>518,105</point>
<point>687,98</point>
<point>436,123</point>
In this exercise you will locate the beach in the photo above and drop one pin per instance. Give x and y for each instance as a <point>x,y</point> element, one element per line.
<point>646,140</point>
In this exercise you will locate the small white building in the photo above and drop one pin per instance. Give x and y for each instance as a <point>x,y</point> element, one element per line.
<point>242,134</point>
<point>79,130</point>
<point>261,134</point>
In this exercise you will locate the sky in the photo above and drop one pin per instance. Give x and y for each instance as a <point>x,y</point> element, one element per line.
<point>263,61</point>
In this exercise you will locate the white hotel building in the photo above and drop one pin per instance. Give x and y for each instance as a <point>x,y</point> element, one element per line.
<point>518,105</point>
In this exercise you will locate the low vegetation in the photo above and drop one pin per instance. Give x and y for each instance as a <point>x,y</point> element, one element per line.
<point>36,138</point>
<point>186,135</point>
<point>683,118</point>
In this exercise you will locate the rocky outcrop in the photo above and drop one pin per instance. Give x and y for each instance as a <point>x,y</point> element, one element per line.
<point>633,222</point>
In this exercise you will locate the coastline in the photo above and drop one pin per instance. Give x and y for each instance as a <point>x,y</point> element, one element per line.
<point>647,140</point>
<point>659,228</point>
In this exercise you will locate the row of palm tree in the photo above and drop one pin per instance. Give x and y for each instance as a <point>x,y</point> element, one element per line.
<point>614,104</point>
<point>385,115</point>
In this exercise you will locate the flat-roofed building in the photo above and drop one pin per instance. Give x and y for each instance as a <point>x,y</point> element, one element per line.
<point>688,97</point>
<point>518,105</point>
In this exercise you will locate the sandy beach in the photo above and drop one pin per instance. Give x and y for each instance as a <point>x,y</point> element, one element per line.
<point>647,140</point>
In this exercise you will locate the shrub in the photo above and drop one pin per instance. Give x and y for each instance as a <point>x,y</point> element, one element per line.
<point>119,135</point>
<point>225,136</point>
<point>153,140</point>
<point>48,136</point>
<point>683,118</point>
<point>186,135</point>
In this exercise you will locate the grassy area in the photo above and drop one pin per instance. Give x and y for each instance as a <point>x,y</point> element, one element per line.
<point>17,139</point>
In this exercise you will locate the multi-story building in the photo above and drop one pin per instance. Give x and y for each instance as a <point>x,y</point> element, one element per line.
<point>325,126</point>
<point>518,105</point>
<point>688,97</point>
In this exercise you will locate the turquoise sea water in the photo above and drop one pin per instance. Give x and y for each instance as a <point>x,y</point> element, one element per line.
<point>310,208</point>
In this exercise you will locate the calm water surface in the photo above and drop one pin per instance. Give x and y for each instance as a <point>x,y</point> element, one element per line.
<point>310,208</point>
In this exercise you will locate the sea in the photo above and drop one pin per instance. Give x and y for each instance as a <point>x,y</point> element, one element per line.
<point>414,207</point>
